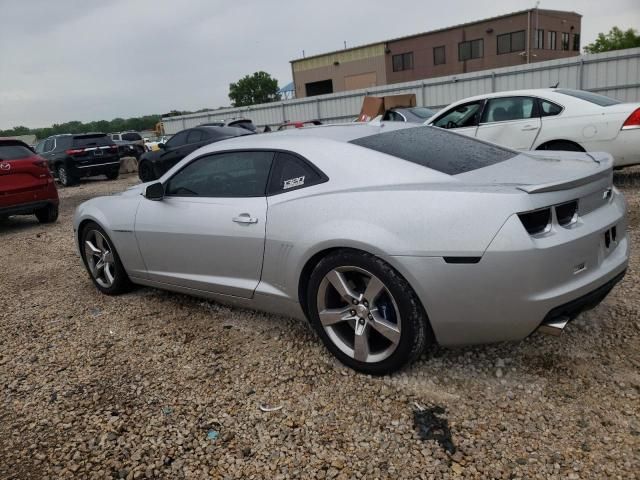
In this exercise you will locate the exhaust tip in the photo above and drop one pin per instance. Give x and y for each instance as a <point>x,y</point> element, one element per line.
<point>554,327</point>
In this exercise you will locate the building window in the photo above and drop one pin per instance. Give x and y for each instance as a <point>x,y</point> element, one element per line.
<point>511,42</point>
<point>565,41</point>
<point>439,56</point>
<point>576,42</point>
<point>539,39</point>
<point>403,61</point>
<point>552,41</point>
<point>470,49</point>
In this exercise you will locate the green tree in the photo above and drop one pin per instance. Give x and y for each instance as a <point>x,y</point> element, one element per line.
<point>254,89</point>
<point>616,39</point>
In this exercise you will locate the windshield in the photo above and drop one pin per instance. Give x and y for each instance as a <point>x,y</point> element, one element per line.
<point>437,149</point>
<point>589,97</point>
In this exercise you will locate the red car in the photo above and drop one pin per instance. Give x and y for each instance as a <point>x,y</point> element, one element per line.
<point>26,185</point>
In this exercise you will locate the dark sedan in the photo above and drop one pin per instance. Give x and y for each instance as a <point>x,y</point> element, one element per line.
<point>154,164</point>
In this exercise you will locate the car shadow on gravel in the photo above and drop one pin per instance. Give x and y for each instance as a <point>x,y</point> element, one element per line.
<point>19,223</point>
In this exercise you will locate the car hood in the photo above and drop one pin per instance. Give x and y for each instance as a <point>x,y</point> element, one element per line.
<point>535,172</point>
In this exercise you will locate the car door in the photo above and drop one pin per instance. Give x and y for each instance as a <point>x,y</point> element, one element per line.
<point>462,118</point>
<point>208,231</point>
<point>510,121</point>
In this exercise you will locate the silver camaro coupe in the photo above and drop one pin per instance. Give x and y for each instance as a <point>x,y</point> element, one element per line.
<point>388,238</point>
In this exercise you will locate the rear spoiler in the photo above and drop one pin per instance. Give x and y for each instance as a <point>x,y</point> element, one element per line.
<point>605,170</point>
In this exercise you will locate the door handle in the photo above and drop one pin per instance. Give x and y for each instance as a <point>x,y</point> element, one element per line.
<point>528,128</point>
<point>245,218</point>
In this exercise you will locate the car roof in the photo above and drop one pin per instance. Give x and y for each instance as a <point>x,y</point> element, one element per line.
<point>13,141</point>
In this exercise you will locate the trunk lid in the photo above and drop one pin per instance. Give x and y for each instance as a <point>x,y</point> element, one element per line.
<point>544,171</point>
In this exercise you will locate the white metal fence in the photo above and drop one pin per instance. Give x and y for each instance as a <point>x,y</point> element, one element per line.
<point>616,74</point>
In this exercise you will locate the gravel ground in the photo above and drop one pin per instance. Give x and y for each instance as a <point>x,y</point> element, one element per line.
<point>159,385</point>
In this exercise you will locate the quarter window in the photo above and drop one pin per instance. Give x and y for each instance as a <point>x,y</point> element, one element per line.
<point>549,109</point>
<point>511,42</point>
<point>508,108</point>
<point>466,115</point>
<point>228,174</point>
<point>439,57</point>
<point>291,172</point>
<point>471,49</point>
<point>403,61</point>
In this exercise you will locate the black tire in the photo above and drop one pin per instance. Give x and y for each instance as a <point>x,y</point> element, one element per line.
<point>48,214</point>
<point>65,177</point>
<point>121,283</point>
<point>561,145</point>
<point>113,174</point>
<point>145,172</point>
<point>415,331</point>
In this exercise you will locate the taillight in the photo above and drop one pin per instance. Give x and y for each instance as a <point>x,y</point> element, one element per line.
<point>633,121</point>
<point>536,222</point>
<point>567,213</point>
<point>41,163</point>
<point>74,151</point>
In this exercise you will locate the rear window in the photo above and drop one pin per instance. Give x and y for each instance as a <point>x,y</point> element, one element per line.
<point>437,149</point>
<point>589,97</point>
<point>91,140</point>
<point>14,152</point>
<point>422,112</point>
<point>131,137</point>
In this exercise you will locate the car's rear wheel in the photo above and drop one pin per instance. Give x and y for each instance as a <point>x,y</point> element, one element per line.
<point>48,214</point>
<point>366,313</point>
<point>65,177</point>
<point>113,174</point>
<point>145,172</point>
<point>102,261</point>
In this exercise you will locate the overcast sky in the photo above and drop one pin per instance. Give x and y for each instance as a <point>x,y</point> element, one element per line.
<point>92,60</point>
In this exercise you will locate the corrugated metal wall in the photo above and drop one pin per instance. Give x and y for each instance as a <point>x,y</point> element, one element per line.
<point>616,74</point>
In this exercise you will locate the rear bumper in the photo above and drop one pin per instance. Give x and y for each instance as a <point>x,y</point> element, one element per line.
<point>625,149</point>
<point>521,281</point>
<point>26,208</point>
<point>97,168</point>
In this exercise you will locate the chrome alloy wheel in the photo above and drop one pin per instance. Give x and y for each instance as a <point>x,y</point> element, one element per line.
<point>99,256</point>
<point>359,314</point>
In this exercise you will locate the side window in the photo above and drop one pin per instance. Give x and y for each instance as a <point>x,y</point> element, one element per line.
<point>290,173</point>
<point>48,145</point>
<point>40,147</point>
<point>549,109</point>
<point>178,139</point>
<point>194,136</point>
<point>509,108</point>
<point>229,174</point>
<point>466,115</point>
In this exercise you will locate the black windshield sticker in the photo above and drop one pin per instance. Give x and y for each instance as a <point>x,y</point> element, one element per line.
<point>293,182</point>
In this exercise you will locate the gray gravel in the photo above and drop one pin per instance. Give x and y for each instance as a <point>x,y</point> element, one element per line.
<point>132,387</point>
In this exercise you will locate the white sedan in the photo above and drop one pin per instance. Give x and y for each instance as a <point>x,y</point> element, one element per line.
<point>549,119</point>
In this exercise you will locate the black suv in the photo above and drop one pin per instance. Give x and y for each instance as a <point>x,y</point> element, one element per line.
<point>153,165</point>
<point>82,155</point>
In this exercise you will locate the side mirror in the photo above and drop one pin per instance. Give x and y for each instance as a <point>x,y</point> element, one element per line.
<point>155,191</point>
<point>161,145</point>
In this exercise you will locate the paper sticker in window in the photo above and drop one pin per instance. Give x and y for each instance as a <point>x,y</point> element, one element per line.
<point>293,182</point>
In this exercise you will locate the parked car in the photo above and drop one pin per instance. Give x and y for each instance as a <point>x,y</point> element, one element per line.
<point>387,237</point>
<point>234,122</point>
<point>130,144</point>
<point>72,157</point>
<point>412,114</point>
<point>26,185</point>
<point>289,124</point>
<point>153,164</point>
<point>549,119</point>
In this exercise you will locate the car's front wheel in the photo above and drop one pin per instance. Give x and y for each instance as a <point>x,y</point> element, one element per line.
<point>113,174</point>
<point>64,176</point>
<point>145,172</point>
<point>102,261</point>
<point>366,313</point>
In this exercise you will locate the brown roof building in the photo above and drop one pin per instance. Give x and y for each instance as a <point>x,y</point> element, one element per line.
<point>514,39</point>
